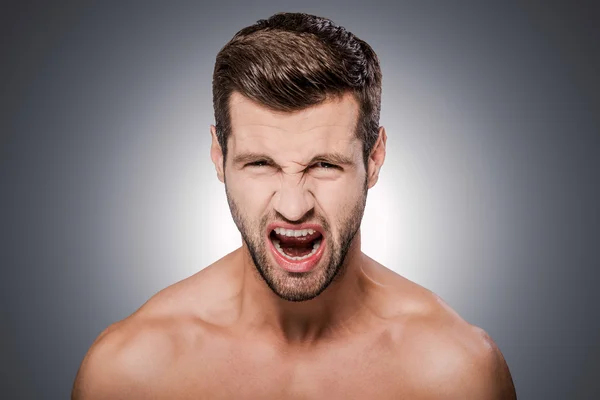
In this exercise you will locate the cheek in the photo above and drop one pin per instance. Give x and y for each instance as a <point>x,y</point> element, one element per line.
<point>335,198</point>
<point>250,193</point>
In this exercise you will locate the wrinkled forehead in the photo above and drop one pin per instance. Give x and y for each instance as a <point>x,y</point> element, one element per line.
<point>331,124</point>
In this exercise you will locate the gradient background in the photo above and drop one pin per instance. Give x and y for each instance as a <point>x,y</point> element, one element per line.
<point>489,195</point>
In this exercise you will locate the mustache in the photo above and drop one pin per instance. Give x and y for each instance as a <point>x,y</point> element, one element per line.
<point>310,217</point>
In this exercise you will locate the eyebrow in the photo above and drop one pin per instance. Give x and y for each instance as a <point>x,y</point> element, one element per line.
<point>334,158</point>
<point>244,158</point>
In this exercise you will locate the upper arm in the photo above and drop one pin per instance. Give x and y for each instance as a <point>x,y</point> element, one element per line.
<point>121,364</point>
<point>479,372</point>
<point>496,381</point>
<point>454,359</point>
<point>91,379</point>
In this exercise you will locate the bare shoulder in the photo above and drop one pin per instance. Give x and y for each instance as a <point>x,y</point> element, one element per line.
<point>127,358</point>
<point>456,360</point>
<point>442,353</point>
<point>139,356</point>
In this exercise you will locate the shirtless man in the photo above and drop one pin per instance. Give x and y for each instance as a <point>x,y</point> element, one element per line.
<point>298,312</point>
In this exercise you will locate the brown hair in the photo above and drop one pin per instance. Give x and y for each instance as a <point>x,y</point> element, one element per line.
<point>291,61</point>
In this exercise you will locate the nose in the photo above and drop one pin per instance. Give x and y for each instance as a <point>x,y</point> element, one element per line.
<point>293,200</point>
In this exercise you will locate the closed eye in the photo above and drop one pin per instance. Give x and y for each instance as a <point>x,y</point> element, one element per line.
<point>325,165</point>
<point>319,165</point>
<point>261,163</point>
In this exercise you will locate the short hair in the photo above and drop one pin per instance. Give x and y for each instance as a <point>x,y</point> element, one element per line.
<point>292,61</point>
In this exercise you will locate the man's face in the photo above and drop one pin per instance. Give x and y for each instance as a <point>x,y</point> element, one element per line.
<point>302,172</point>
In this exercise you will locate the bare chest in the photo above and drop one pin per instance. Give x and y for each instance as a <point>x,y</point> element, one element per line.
<point>345,371</point>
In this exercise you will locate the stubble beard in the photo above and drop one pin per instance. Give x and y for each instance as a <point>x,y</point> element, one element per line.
<point>305,286</point>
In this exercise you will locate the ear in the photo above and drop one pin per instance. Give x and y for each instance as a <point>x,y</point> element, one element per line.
<point>216,153</point>
<point>376,158</point>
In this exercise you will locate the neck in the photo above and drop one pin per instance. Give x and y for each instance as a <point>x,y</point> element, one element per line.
<point>310,320</point>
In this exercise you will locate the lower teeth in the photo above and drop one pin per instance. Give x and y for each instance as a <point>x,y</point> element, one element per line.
<point>312,253</point>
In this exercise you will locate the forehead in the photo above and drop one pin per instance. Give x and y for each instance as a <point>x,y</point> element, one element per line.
<point>333,121</point>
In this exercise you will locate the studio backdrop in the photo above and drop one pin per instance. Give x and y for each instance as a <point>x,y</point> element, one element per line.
<point>488,196</point>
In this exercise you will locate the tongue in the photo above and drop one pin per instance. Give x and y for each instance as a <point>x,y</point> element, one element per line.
<point>296,251</point>
<point>297,246</point>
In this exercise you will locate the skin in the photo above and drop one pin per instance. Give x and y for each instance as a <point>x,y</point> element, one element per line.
<point>224,333</point>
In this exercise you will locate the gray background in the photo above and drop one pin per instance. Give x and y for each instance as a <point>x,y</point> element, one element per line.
<point>489,195</point>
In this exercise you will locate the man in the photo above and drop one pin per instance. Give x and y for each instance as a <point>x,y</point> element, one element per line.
<point>298,312</point>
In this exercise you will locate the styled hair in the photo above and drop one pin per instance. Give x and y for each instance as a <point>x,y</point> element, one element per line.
<point>292,61</point>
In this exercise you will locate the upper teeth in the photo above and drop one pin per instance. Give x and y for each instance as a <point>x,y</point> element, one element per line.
<point>292,232</point>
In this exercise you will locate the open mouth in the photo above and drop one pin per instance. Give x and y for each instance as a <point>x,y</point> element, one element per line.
<point>297,250</point>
